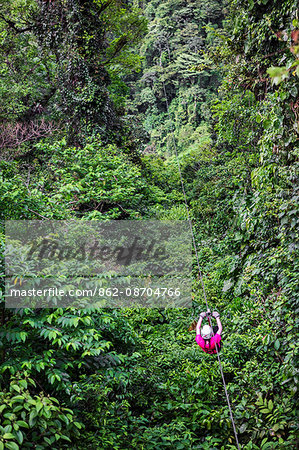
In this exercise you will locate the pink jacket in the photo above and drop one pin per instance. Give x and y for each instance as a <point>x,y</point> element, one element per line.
<point>208,346</point>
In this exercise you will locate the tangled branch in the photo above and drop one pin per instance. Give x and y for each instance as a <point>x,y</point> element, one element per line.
<point>12,135</point>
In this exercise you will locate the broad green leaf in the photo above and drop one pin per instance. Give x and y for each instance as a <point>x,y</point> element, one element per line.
<point>8,436</point>
<point>23,424</point>
<point>16,387</point>
<point>12,446</point>
<point>19,436</point>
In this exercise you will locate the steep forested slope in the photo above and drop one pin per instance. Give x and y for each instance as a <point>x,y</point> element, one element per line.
<point>178,33</point>
<point>85,134</point>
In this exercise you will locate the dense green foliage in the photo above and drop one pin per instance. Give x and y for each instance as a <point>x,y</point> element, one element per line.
<point>58,62</point>
<point>174,46</point>
<point>85,134</point>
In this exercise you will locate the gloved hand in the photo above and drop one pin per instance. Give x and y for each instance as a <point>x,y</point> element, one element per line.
<point>203,315</point>
<point>215,314</point>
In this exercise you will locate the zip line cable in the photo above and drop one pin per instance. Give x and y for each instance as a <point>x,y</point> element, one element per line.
<point>196,254</point>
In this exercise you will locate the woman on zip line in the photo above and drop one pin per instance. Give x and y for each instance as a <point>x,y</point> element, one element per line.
<point>207,337</point>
